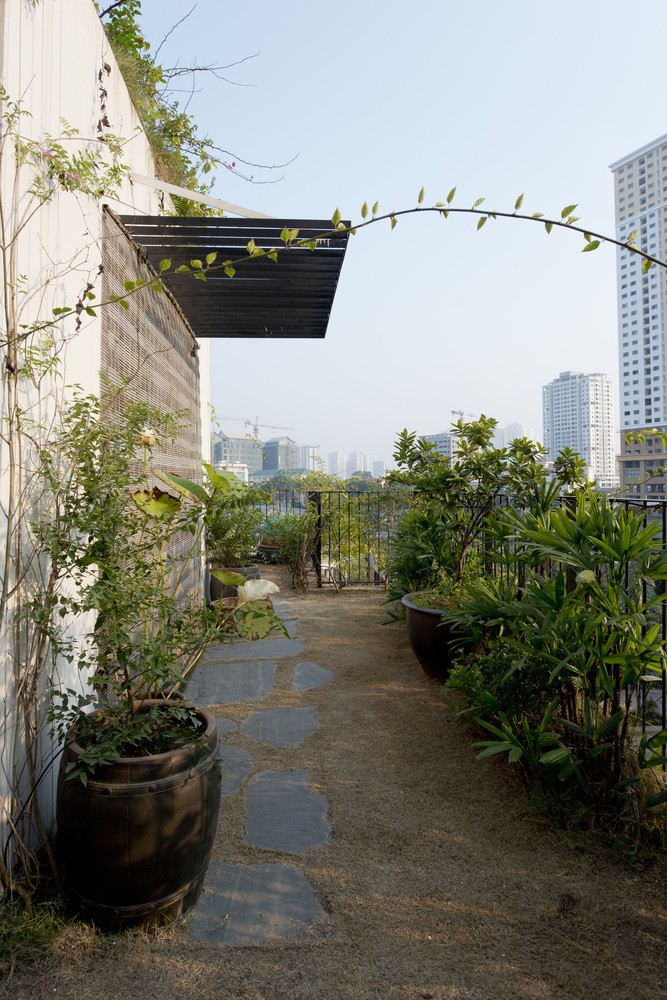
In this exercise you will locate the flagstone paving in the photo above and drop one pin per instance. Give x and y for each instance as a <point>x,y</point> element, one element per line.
<point>272,902</point>
<point>308,675</point>
<point>283,814</point>
<point>255,904</point>
<point>281,727</point>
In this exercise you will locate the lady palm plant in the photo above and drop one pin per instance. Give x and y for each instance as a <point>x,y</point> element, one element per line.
<point>587,622</point>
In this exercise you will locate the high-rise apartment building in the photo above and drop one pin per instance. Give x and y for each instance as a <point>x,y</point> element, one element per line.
<point>640,193</point>
<point>442,442</point>
<point>336,463</point>
<point>578,413</point>
<point>357,461</point>
<point>309,457</point>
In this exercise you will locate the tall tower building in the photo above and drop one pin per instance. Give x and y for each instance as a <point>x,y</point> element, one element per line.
<point>640,193</point>
<point>578,413</point>
<point>337,462</point>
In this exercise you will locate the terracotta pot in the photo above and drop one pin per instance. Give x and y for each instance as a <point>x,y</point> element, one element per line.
<point>136,840</point>
<point>434,641</point>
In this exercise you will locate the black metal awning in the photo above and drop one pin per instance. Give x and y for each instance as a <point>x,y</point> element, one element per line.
<point>290,297</point>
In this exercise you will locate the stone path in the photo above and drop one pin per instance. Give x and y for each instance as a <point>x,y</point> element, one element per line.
<point>257,903</point>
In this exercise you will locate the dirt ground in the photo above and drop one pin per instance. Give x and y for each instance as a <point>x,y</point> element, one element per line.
<point>442,884</point>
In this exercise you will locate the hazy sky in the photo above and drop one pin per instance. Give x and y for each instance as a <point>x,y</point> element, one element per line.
<point>378,98</point>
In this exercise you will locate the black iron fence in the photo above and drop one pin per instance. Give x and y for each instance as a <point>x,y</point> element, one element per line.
<point>349,533</point>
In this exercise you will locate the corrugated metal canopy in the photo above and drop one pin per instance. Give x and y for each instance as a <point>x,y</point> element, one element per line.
<point>291,297</point>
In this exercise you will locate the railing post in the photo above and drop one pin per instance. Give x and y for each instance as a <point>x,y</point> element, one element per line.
<point>315,498</point>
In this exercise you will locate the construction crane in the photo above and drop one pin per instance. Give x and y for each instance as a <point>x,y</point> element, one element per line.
<point>255,424</point>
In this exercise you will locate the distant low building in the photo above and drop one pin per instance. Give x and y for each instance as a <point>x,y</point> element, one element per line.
<point>236,449</point>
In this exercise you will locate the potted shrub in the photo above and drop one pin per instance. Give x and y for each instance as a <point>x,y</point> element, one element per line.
<point>456,498</point>
<point>233,524</point>
<point>138,789</point>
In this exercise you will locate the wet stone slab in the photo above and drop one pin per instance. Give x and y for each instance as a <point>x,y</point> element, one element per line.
<point>236,765</point>
<point>255,904</point>
<point>282,814</point>
<point>262,649</point>
<point>307,676</point>
<point>227,683</point>
<point>281,727</point>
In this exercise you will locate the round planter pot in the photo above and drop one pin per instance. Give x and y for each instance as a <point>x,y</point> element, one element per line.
<point>136,840</point>
<point>434,642</point>
<point>218,590</point>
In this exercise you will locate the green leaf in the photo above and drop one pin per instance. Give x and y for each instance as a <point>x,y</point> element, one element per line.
<point>376,206</point>
<point>364,210</point>
<point>633,236</point>
<point>156,503</point>
<point>336,217</point>
<point>537,215</point>
<point>393,220</point>
<point>548,226</point>
<point>657,799</point>
<point>518,203</point>
<point>230,272</point>
<point>199,275</point>
<point>90,311</point>
<point>556,756</point>
<point>420,197</point>
<point>211,257</point>
<point>129,286</point>
<point>481,222</point>
<point>568,210</point>
<point>227,578</point>
<point>124,303</point>
<point>250,246</point>
<point>165,264</point>
<point>188,489</point>
<point>647,265</point>
<point>272,255</point>
<point>478,202</point>
<point>593,245</point>
<point>196,263</point>
<point>183,269</point>
<point>450,196</point>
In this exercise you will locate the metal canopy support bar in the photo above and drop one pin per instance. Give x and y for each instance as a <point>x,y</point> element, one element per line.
<point>204,199</point>
<point>291,297</point>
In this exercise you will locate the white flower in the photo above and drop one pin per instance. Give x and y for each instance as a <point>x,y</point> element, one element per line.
<point>256,590</point>
<point>146,437</point>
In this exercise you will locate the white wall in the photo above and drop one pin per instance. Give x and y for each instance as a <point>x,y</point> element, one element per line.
<point>55,59</point>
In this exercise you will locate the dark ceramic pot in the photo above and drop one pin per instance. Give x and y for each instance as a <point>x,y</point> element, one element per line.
<point>434,641</point>
<point>136,840</point>
<point>218,590</point>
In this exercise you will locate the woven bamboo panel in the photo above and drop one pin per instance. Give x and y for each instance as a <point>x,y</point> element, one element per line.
<point>151,347</point>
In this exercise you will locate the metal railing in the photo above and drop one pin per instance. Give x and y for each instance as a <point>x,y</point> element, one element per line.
<point>350,532</point>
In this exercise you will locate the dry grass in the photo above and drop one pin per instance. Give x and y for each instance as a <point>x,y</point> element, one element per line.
<point>441,882</point>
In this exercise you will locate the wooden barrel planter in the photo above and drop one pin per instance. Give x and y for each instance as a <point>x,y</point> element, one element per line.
<point>136,840</point>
